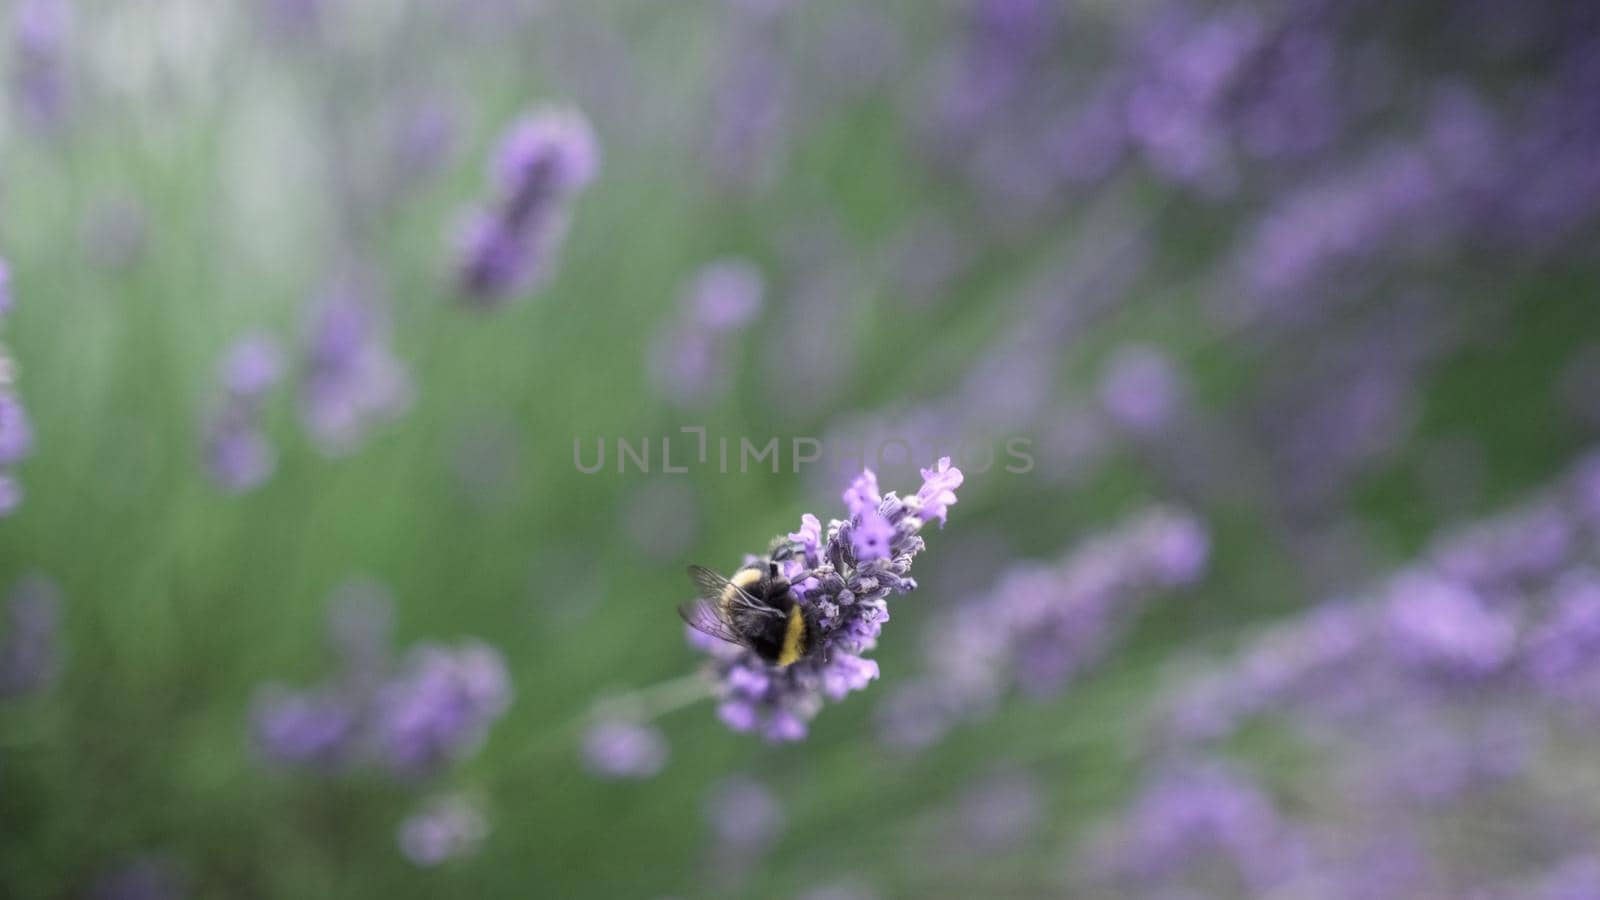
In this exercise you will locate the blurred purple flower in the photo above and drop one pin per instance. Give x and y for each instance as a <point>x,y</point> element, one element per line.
<point>40,31</point>
<point>352,380</point>
<point>690,359</point>
<point>542,163</point>
<point>620,748</point>
<point>1192,815</point>
<point>425,139</point>
<point>16,432</point>
<point>238,454</point>
<point>444,828</point>
<point>318,730</point>
<point>752,103</point>
<point>30,651</point>
<point>1042,625</point>
<point>440,706</point>
<point>413,718</point>
<point>1444,627</point>
<point>849,592</point>
<point>1141,390</point>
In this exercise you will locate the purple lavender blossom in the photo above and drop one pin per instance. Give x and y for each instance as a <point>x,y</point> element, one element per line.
<point>16,432</point>
<point>30,651</point>
<point>510,246</point>
<point>440,706</point>
<point>690,360</point>
<point>753,101</point>
<point>1141,390</point>
<point>621,748</point>
<point>1042,625</point>
<point>40,34</point>
<point>425,139</point>
<point>352,381</point>
<point>413,719</point>
<point>317,730</point>
<point>238,454</point>
<point>850,595</point>
<point>1450,687</point>
<point>1444,627</point>
<point>1190,815</point>
<point>444,828</point>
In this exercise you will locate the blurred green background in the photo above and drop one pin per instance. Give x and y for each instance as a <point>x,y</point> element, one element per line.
<point>254,155</point>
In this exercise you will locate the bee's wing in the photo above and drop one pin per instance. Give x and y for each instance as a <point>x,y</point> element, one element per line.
<point>712,586</point>
<point>703,617</point>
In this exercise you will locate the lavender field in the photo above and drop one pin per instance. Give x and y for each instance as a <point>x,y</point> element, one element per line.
<point>1166,435</point>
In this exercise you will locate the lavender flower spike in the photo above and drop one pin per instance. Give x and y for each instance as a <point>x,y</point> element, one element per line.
<point>238,454</point>
<point>16,432</point>
<point>542,164</point>
<point>445,828</point>
<point>441,706</point>
<point>353,381</point>
<point>846,574</point>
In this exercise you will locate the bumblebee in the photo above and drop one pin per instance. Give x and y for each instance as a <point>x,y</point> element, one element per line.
<point>757,609</point>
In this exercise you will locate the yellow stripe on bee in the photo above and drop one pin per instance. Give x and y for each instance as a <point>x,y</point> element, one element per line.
<point>744,579</point>
<point>793,637</point>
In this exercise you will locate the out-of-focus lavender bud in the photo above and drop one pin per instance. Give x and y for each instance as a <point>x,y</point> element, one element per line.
<point>1444,627</point>
<point>445,828</point>
<point>40,32</point>
<point>1043,625</point>
<point>753,101</point>
<point>16,432</point>
<point>425,139</point>
<point>254,365</point>
<point>690,360</point>
<point>30,651</point>
<point>353,381</point>
<point>317,730</point>
<point>542,163</point>
<point>440,706</point>
<point>238,455</point>
<point>621,748</point>
<point>1141,390</point>
<point>1193,819</point>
